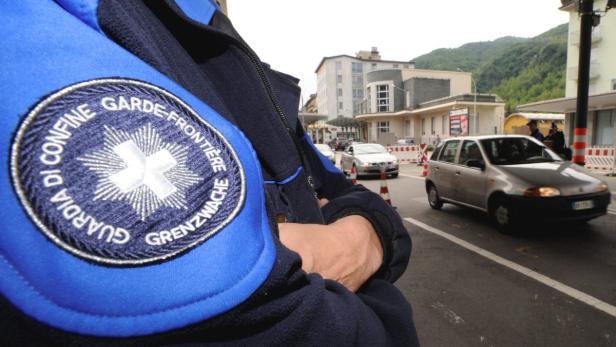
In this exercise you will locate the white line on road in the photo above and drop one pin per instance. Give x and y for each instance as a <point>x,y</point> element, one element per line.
<point>561,287</point>
<point>411,176</point>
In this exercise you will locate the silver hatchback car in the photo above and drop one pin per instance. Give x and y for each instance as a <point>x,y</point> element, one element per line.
<point>513,177</point>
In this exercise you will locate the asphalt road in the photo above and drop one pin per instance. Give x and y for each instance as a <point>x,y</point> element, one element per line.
<point>473,286</point>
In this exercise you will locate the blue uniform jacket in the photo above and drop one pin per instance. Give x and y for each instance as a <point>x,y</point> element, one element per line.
<point>148,153</point>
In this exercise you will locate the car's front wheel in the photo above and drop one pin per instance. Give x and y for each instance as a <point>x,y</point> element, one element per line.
<point>433,198</point>
<point>503,215</point>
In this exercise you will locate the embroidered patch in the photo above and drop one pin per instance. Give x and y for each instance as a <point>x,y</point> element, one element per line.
<point>122,172</point>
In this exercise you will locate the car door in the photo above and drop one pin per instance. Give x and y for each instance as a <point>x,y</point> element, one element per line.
<point>445,168</point>
<point>470,182</point>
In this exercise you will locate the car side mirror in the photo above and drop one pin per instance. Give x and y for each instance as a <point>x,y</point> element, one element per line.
<point>479,164</point>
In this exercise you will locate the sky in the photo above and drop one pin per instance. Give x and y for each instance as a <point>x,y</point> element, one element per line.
<point>294,35</point>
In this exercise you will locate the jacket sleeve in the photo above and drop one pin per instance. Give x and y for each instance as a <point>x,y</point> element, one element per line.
<point>348,199</point>
<point>291,308</point>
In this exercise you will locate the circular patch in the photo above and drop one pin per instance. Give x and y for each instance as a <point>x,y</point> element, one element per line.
<point>123,172</point>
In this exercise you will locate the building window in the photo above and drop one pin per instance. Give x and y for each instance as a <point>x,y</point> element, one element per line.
<point>605,128</point>
<point>340,105</point>
<point>614,84</point>
<point>432,127</point>
<point>382,98</point>
<point>423,126</point>
<point>338,65</point>
<point>395,66</point>
<point>339,91</point>
<point>358,93</point>
<point>374,66</point>
<point>338,78</point>
<point>357,67</point>
<point>406,66</point>
<point>382,127</point>
<point>358,80</point>
<point>444,125</point>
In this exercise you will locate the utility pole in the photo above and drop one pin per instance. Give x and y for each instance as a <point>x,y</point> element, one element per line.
<point>581,112</point>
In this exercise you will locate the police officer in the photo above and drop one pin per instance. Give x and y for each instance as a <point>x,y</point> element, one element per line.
<point>534,130</point>
<point>160,190</point>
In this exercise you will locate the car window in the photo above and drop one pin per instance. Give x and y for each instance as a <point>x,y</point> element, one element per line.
<point>470,150</point>
<point>372,148</point>
<point>448,154</point>
<point>437,151</point>
<point>349,149</point>
<point>517,150</point>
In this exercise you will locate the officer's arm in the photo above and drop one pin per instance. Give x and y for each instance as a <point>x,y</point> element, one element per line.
<point>347,251</point>
<point>347,199</point>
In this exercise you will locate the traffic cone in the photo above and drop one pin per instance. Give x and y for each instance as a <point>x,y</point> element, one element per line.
<point>384,190</point>
<point>353,175</point>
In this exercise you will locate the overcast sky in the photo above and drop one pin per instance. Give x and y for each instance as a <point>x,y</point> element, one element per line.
<point>294,35</point>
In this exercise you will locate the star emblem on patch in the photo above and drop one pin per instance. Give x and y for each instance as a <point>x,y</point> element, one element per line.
<point>141,169</point>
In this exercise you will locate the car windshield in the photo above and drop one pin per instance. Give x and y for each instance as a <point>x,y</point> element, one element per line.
<point>369,149</point>
<point>517,150</point>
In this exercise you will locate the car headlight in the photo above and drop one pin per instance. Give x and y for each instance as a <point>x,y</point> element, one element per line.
<point>601,187</point>
<point>543,192</point>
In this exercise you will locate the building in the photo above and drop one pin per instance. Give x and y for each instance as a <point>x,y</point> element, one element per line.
<point>601,121</point>
<point>341,81</point>
<point>314,123</point>
<point>425,106</point>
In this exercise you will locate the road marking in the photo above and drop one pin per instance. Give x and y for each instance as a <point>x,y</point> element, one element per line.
<point>561,287</point>
<point>411,176</point>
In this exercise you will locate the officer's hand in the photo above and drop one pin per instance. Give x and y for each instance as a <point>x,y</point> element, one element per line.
<point>348,250</point>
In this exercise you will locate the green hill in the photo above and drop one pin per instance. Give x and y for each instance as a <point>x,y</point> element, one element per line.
<point>517,69</point>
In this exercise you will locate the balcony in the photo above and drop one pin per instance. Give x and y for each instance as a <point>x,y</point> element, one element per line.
<point>572,71</point>
<point>574,37</point>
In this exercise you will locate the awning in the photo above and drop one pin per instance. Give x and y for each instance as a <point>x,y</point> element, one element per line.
<point>568,105</point>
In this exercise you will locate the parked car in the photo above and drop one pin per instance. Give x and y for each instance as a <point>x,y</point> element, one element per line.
<point>369,159</point>
<point>405,141</point>
<point>340,144</point>
<point>513,178</point>
<point>326,151</point>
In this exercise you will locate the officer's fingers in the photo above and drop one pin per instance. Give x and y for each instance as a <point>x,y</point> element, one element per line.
<point>323,202</point>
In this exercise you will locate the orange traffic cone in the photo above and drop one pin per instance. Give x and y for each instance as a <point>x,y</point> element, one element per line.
<point>425,163</point>
<point>353,175</point>
<point>384,190</point>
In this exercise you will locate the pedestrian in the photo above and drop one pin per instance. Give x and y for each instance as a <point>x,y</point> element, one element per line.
<point>534,130</point>
<point>162,191</point>
<point>557,140</point>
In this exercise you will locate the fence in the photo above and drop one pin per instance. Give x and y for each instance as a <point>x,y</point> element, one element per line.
<point>601,160</point>
<point>406,154</point>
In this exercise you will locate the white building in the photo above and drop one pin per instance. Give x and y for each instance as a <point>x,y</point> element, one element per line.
<point>341,81</point>
<point>601,121</point>
<point>425,106</point>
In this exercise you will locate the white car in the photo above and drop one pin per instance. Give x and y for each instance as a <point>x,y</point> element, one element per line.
<point>369,159</point>
<point>326,151</point>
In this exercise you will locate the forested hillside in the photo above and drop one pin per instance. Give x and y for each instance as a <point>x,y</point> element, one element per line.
<point>517,69</point>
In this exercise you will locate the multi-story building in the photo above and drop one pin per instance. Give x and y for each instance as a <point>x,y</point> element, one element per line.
<point>601,119</point>
<point>341,81</point>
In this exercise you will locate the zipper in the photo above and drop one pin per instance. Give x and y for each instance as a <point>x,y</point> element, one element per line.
<point>283,118</point>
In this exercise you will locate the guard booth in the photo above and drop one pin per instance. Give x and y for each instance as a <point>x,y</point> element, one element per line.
<point>515,123</point>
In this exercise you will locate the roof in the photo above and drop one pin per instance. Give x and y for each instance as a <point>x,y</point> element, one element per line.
<point>539,116</point>
<point>486,137</point>
<point>367,60</point>
<point>564,105</point>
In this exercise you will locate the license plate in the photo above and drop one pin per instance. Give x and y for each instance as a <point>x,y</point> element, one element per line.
<point>583,205</point>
